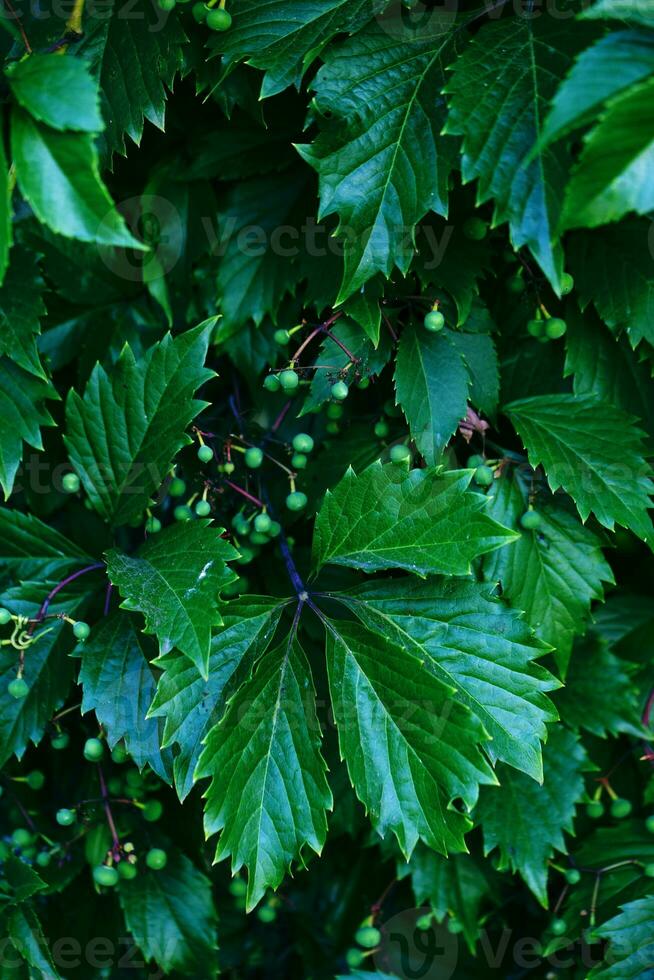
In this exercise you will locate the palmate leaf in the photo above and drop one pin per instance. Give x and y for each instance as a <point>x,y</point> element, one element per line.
<point>447,260</point>
<point>551,574</point>
<point>57,91</point>
<point>383,135</point>
<point>30,549</point>
<point>174,579</point>
<point>268,794</point>
<point>631,11</point>
<point>21,307</point>
<point>473,644</point>
<point>594,451</point>
<point>480,358</point>
<point>410,747</point>
<point>26,935</point>
<point>499,91</point>
<point>631,944</point>
<point>422,521</point>
<point>119,684</point>
<point>172,917</point>
<point>22,414</point>
<point>525,820</point>
<point>191,705</point>
<point>123,434</point>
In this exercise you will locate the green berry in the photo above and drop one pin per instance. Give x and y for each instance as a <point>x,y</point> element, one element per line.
<point>299,461</point>
<point>43,859</point>
<point>354,957</point>
<point>35,779</point>
<point>516,285</point>
<point>105,876</point>
<point>238,888</point>
<point>127,871</point>
<point>271,383</point>
<point>152,810</point>
<point>296,500</point>
<point>203,508</point>
<point>281,337</point>
<point>572,876</point>
<point>483,476</point>
<point>595,809</point>
<point>400,454</point>
<point>60,741</point>
<point>199,12</point>
<point>424,922</point>
<point>228,468</point>
<point>182,513</point>
<point>475,229</point>
<point>66,818</point>
<point>177,487</point>
<point>474,461</point>
<point>434,321</point>
<point>153,525</point>
<point>335,411</point>
<point>391,409</point>
<point>205,454</point>
<point>266,914</point>
<point>536,328</point>
<point>289,379</point>
<point>332,428</point>
<point>240,525</point>
<point>93,750</point>
<point>555,327</point>
<point>156,859</point>
<point>303,443</point>
<point>368,936</point>
<point>219,20</point>
<point>649,870</point>
<point>70,483</point>
<point>363,384</point>
<point>567,284</point>
<point>246,555</point>
<point>166,4</point>
<point>530,520</point>
<point>649,824</point>
<point>81,630</point>
<point>620,809</point>
<point>119,754</point>
<point>5,616</point>
<point>18,688</point>
<point>558,927</point>
<point>381,429</point>
<point>253,457</point>
<point>262,523</point>
<point>22,837</point>
<point>339,391</point>
<point>275,529</point>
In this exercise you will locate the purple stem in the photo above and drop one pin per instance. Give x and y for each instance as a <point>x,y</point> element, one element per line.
<point>107,599</point>
<point>40,616</point>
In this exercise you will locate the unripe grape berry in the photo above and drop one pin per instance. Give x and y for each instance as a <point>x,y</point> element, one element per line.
<point>219,20</point>
<point>153,525</point>
<point>555,327</point>
<point>281,337</point>
<point>66,818</point>
<point>474,461</point>
<point>240,525</point>
<point>572,876</point>
<point>289,379</point>
<point>199,12</point>
<point>271,382</point>
<point>649,870</point>
<point>127,871</point>
<point>257,539</point>
<point>381,429</point>
<point>302,443</point>
<point>354,957</point>
<point>205,454</point>
<point>363,383</point>
<point>253,457</point>
<point>275,529</point>
<point>530,520</point>
<point>119,754</point>
<point>266,914</point>
<point>228,468</point>
<point>70,483</point>
<point>152,810</point>
<point>246,555</point>
<point>203,508</point>
<point>400,454</point>
<point>620,809</point>
<point>156,859</point>
<point>296,500</point>
<point>60,741</point>
<point>81,630</point>
<point>335,411</point>
<point>368,937</point>
<point>595,809</point>
<point>35,779</point>
<point>424,922</point>
<point>166,4</point>
<point>93,750</point>
<point>18,688</point>
<point>434,321</point>
<point>299,461</point>
<point>182,512</point>
<point>558,926</point>
<point>22,837</point>
<point>516,285</point>
<point>475,229</point>
<point>567,284</point>
<point>536,328</point>
<point>105,876</point>
<point>339,391</point>
<point>262,523</point>
<point>649,824</point>
<point>332,428</point>
<point>43,859</point>
<point>483,476</point>
<point>5,616</point>
<point>238,888</point>
<point>177,487</point>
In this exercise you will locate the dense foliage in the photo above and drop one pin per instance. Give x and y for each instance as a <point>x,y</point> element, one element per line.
<point>326,409</point>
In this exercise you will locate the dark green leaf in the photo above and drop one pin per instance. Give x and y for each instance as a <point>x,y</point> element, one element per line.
<point>22,413</point>
<point>57,91</point>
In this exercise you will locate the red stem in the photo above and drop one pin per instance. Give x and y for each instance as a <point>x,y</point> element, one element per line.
<point>244,493</point>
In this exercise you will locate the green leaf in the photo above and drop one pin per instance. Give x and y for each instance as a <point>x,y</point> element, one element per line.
<point>57,91</point>
<point>118,683</point>
<point>448,260</point>
<point>6,209</point>
<point>631,946</point>
<point>410,748</point>
<point>475,645</point>
<point>268,794</point>
<point>22,413</point>
<point>172,917</point>
<point>593,451</point>
<point>498,93</point>
<point>431,384</point>
<point>553,574</point>
<point>23,881</point>
<point>612,177</point>
<point>58,175</point>
<point>124,433</point>
<point>174,579</point>
<point>291,36</point>
<point>31,549</point>
<point>27,936</point>
<point>21,307</point>
<point>383,133</point>
<point>583,704</point>
<point>631,11</point>
<point>614,270</point>
<point>480,358</point>
<point>614,63</point>
<point>525,820</point>
<point>191,705</point>
<point>423,521</point>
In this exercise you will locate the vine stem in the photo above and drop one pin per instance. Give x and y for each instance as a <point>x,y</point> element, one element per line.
<point>41,614</point>
<point>107,809</point>
<point>244,493</point>
<point>14,14</point>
